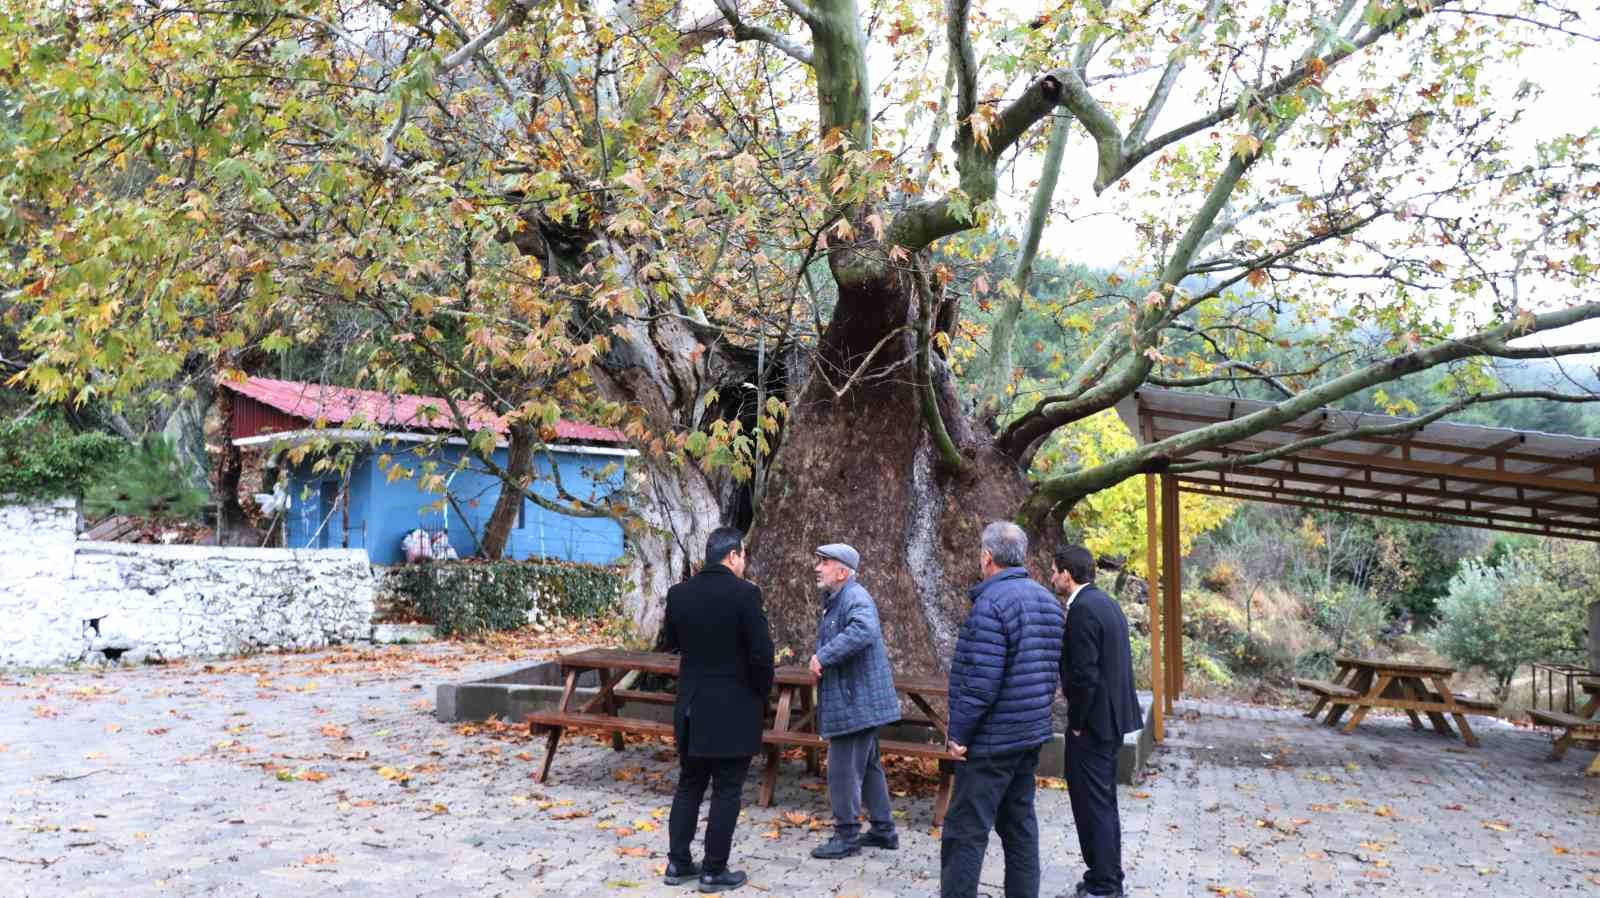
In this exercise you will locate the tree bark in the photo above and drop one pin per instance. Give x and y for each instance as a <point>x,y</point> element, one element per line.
<point>519,470</point>
<point>862,468</point>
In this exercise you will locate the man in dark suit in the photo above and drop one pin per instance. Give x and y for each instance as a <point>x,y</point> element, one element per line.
<point>1097,677</point>
<point>715,619</point>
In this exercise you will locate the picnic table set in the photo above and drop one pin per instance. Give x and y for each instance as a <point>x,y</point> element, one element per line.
<point>792,713</point>
<point>1360,685</point>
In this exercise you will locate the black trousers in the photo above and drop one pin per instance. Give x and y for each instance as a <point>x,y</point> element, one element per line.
<point>726,778</point>
<point>1092,786</point>
<point>991,793</point>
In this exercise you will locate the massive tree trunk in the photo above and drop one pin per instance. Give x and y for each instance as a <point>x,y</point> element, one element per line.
<point>863,468</point>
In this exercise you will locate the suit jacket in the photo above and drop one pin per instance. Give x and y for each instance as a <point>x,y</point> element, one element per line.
<point>715,620</point>
<point>1097,668</point>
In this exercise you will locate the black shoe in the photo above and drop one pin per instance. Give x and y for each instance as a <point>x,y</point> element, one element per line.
<point>1082,891</point>
<point>869,839</point>
<point>677,876</point>
<point>721,882</point>
<point>836,848</point>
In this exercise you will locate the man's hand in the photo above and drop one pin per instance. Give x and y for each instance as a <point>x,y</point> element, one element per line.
<point>816,666</point>
<point>1077,734</point>
<point>959,751</point>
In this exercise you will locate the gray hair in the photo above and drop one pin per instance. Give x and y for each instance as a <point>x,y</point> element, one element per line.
<point>1006,543</point>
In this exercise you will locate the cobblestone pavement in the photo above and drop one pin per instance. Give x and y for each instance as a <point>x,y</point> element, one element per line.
<point>325,774</point>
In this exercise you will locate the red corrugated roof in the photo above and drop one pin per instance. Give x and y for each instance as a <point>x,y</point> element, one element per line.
<point>401,411</point>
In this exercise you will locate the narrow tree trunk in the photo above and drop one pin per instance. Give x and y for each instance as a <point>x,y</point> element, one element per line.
<point>519,467</point>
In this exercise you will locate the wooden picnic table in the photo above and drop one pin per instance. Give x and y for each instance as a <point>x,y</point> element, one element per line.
<point>1583,726</point>
<point>793,714</point>
<point>1364,684</point>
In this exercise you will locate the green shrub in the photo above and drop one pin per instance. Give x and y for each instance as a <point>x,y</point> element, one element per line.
<point>472,598</point>
<point>42,458</point>
<point>1500,618</point>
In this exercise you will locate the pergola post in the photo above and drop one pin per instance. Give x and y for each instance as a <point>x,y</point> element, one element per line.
<point>1172,591</point>
<point>1157,634</point>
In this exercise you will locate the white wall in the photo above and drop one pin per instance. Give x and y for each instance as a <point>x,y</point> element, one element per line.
<point>166,602</point>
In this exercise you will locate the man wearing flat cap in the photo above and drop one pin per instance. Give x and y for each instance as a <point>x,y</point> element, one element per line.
<point>856,697</point>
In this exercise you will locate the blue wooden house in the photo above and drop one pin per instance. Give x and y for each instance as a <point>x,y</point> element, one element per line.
<point>379,497</point>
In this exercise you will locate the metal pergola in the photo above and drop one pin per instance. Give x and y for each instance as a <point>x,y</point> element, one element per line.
<point>1331,460</point>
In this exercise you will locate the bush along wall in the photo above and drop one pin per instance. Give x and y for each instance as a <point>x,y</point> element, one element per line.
<point>472,598</point>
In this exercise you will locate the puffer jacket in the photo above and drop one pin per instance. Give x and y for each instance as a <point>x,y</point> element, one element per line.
<point>857,688</point>
<point>1006,667</point>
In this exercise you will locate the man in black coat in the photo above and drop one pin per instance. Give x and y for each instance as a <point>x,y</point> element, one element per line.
<point>1097,677</point>
<point>716,621</point>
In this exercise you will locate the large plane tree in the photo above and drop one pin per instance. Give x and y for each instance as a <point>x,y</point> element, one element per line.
<point>729,229</point>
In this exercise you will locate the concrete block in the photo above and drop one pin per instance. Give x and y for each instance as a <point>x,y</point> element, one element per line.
<point>399,634</point>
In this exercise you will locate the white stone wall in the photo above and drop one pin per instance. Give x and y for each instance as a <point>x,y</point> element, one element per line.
<point>165,602</point>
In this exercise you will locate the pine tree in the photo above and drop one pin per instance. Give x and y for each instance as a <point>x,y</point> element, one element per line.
<point>151,483</point>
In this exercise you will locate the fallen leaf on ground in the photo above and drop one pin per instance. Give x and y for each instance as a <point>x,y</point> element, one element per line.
<point>1498,826</point>
<point>316,859</point>
<point>634,851</point>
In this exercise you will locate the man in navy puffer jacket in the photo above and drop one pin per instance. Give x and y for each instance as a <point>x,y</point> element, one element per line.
<point>1002,683</point>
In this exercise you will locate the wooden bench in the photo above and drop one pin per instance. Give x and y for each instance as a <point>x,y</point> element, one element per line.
<point>555,721</point>
<point>790,723</point>
<point>1479,706</point>
<point>1574,729</point>
<point>1325,691</point>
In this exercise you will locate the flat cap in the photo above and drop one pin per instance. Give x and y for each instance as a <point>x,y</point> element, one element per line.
<point>845,555</point>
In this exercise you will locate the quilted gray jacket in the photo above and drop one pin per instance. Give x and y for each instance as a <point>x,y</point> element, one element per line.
<point>857,688</point>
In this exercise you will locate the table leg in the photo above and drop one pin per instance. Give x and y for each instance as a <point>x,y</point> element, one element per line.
<point>1372,695</point>
<point>550,744</point>
<point>1455,711</point>
<point>780,724</point>
<point>608,686</point>
<point>941,802</point>
<point>1411,689</point>
<point>1558,748</point>
<point>926,707</point>
<point>1360,681</point>
<point>568,690</point>
<point>807,708</point>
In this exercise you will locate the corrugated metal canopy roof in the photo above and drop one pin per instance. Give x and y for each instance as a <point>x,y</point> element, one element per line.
<point>1464,474</point>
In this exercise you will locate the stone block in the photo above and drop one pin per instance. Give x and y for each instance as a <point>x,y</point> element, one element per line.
<point>400,634</point>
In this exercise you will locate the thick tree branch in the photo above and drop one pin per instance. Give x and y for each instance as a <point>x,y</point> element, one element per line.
<point>743,31</point>
<point>1232,106</point>
<point>1169,78</point>
<point>1251,373</point>
<point>1005,324</point>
